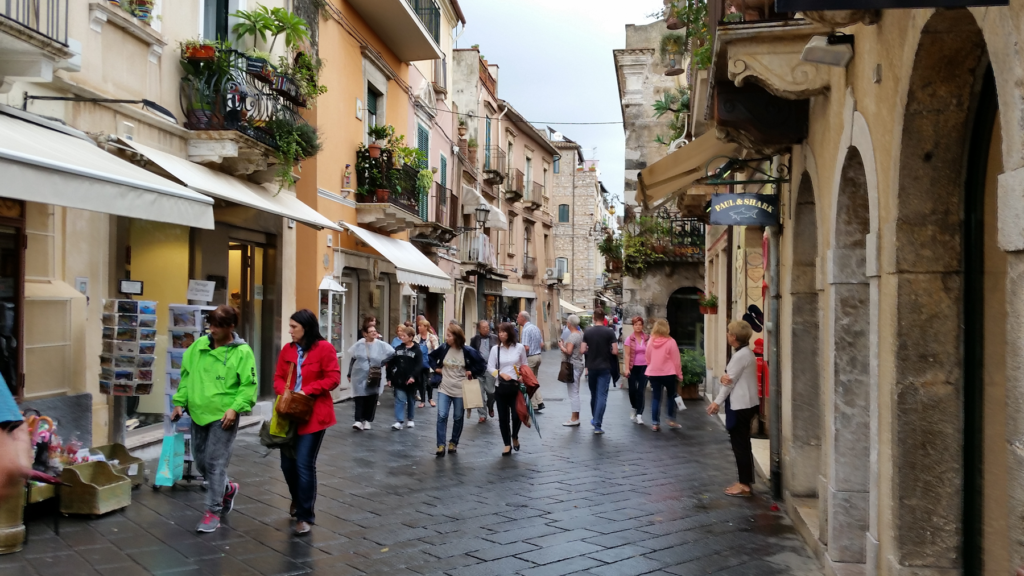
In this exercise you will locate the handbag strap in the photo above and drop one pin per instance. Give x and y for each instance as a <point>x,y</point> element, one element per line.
<point>291,368</point>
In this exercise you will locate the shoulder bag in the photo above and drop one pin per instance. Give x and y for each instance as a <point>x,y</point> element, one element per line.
<point>295,406</point>
<point>374,373</point>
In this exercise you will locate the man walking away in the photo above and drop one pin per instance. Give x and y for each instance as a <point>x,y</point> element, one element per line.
<point>532,340</point>
<point>218,381</point>
<point>600,349</point>
<point>482,343</point>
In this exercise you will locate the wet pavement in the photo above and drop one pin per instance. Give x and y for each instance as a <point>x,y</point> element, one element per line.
<point>629,502</point>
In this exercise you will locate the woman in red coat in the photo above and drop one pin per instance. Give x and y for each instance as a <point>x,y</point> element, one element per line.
<point>315,372</point>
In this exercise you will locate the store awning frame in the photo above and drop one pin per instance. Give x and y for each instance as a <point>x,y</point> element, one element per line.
<point>46,162</point>
<point>680,169</point>
<point>236,190</point>
<point>411,265</point>
<point>570,307</point>
<point>471,199</point>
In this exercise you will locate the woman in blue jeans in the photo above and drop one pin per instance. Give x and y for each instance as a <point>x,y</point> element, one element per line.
<point>404,370</point>
<point>665,371</point>
<point>456,363</point>
<point>307,365</point>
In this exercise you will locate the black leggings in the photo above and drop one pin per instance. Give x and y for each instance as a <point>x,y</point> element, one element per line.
<point>508,419</point>
<point>426,390</point>
<point>739,436</point>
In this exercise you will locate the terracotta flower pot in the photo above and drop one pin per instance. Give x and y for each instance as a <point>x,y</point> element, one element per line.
<point>382,195</point>
<point>202,52</point>
<point>708,311</point>
<point>374,150</point>
<point>462,131</point>
<point>658,249</point>
<point>673,23</point>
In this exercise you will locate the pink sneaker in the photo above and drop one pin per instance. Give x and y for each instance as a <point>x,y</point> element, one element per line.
<point>229,497</point>
<point>209,523</point>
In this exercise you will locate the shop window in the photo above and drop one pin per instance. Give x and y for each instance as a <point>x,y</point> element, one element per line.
<point>563,212</point>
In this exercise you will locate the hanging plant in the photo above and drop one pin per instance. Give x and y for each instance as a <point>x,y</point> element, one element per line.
<point>678,103</point>
<point>424,180</point>
<point>296,141</point>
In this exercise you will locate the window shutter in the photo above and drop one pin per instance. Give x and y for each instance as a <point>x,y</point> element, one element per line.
<point>371,102</point>
<point>444,172</point>
<point>423,143</point>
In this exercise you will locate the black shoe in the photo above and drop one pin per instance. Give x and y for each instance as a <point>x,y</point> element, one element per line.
<point>440,451</point>
<point>539,407</point>
<point>509,453</point>
<point>515,445</point>
<point>452,448</point>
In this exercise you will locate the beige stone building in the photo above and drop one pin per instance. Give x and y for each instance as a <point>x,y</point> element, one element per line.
<point>893,270</point>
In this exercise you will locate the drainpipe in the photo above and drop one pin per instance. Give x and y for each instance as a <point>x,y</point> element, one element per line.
<point>774,378</point>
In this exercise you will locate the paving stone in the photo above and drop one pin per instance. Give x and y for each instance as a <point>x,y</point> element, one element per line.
<point>559,552</point>
<point>496,552</point>
<point>611,555</point>
<point>570,566</point>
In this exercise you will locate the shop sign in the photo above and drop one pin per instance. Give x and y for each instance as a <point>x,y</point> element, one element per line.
<point>492,287</point>
<point>809,5</point>
<point>200,290</point>
<point>744,209</point>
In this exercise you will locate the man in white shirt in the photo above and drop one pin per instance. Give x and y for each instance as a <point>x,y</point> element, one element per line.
<point>531,339</point>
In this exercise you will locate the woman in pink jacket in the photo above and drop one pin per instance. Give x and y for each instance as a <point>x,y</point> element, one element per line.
<point>665,372</point>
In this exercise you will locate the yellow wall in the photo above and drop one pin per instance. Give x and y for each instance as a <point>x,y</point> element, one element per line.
<point>160,260</point>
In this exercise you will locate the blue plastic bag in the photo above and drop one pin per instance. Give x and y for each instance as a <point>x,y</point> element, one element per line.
<point>172,461</point>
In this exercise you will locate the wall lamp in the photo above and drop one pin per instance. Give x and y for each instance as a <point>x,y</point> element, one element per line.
<point>482,213</point>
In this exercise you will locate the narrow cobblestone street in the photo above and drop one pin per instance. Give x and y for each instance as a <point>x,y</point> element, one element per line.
<point>630,502</point>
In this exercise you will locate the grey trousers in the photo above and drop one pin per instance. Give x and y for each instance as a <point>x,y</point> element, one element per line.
<point>211,450</point>
<point>534,363</point>
<point>487,392</point>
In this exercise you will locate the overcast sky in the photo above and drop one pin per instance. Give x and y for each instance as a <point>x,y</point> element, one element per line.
<point>556,66</point>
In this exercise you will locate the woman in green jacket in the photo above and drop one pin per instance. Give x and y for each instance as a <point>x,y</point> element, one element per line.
<point>218,381</point>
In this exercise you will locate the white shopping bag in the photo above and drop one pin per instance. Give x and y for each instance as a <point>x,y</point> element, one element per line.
<point>679,404</point>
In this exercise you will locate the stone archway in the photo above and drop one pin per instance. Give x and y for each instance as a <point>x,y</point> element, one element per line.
<point>848,477</point>
<point>927,485</point>
<point>802,423</point>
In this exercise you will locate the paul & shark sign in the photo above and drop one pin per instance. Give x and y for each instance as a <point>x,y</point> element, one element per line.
<point>744,209</point>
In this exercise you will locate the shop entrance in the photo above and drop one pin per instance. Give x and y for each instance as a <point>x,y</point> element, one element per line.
<point>686,323</point>
<point>247,270</point>
<point>12,274</point>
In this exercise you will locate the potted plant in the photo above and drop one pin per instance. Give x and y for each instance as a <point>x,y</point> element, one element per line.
<point>296,141</point>
<point>694,372</point>
<point>471,156</point>
<point>462,127</point>
<point>198,50</point>
<point>378,134</point>
<point>708,303</point>
<point>142,9</point>
<point>672,21</point>
<point>672,44</point>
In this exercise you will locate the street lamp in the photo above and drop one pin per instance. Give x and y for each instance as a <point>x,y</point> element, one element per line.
<point>481,213</point>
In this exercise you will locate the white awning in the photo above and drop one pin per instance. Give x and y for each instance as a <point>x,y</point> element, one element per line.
<point>225,187</point>
<point>329,283</point>
<point>471,199</point>
<point>517,291</point>
<point>411,266</point>
<point>569,307</point>
<point>46,162</point>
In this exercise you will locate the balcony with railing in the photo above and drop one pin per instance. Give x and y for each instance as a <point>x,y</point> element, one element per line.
<point>529,267</point>
<point>442,216</point>
<point>33,36</point>
<point>44,18</point>
<point>534,196</point>
<point>387,198</point>
<point>515,185</point>
<point>410,28</point>
<point>494,165</point>
<point>476,249</point>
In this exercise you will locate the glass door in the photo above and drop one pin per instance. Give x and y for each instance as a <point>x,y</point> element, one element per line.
<point>11,275</point>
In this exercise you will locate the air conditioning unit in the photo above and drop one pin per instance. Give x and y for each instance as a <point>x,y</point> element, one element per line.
<point>553,274</point>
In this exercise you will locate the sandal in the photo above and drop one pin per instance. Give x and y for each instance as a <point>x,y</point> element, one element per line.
<point>656,428</point>
<point>739,494</point>
<point>433,404</point>
<point>419,405</point>
<point>481,420</point>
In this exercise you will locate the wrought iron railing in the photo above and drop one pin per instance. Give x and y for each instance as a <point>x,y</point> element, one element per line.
<point>441,203</point>
<point>529,266</point>
<point>494,163</point>
<point>679,238</point>
<point>514,182</point>
<point>430,15</point>
<point>477,247</point>
<point>381,173</point>
<point>235,92</point>
<point>48,18</point>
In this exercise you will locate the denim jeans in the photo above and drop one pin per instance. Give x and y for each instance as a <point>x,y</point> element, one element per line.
<point>599,380</point>
<point>211,450</point>
<point>300,473</point>
<point>444,404</point>
<point>405,407</point>
<point>668,383</point>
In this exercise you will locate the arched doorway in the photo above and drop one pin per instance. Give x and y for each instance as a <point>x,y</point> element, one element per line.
<point>939,492</point>
<point>685,321</point>
<point>849,410</point>
<point>803,420</point>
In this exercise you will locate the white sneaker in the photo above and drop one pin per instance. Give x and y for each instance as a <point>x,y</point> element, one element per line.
<point>396,426</point>
<point>358,425</point>
<point>410,424</point>
<point>632,415</point>
<point>366,425</point>
<point>639,419</point>
<point>571,423</point>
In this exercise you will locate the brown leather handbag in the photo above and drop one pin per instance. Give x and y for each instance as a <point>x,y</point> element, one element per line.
<point>294,406</point>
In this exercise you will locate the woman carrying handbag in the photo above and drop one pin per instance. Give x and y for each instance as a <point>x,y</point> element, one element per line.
<point>572,366</point>
<point>503,363</point>
<point>307,368</point>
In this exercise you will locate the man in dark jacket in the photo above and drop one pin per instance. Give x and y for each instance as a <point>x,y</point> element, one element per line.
<point>482,343</point>
<point>404,369</point>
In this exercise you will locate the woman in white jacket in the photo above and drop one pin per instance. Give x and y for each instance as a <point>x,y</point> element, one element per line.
<point>739,394</point>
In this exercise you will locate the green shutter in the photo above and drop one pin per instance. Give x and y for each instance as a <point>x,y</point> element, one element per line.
<point>444,172</point>
<point>371,103</point>
<point>423,143</point>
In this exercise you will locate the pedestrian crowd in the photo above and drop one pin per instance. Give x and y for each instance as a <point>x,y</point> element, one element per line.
<point>218,382</point>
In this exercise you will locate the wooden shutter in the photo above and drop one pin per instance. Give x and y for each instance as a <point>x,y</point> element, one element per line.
<point>423,143</point>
